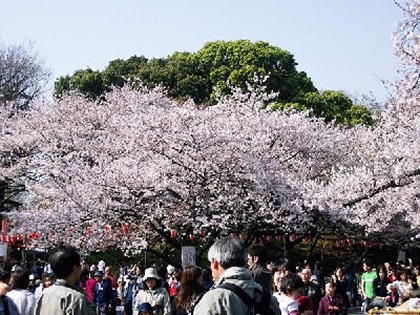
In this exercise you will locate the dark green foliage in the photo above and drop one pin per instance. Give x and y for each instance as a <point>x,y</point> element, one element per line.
<point>214,70</point>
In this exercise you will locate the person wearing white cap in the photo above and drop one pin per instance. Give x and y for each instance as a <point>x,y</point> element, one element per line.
<point>154,293</point>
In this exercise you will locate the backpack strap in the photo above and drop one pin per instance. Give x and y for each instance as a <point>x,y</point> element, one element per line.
<point>239,292</point>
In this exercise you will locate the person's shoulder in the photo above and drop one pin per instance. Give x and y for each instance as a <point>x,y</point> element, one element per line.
<point>63,291</point>
<point>161,290</point>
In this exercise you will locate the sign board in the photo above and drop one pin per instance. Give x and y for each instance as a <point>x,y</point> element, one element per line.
<point>401,255</point>
<point>188,256</point>
<point>3,251</point>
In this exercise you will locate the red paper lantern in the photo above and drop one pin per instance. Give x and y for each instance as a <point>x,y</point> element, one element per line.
<point>173,233</point>
<point>125,228</point>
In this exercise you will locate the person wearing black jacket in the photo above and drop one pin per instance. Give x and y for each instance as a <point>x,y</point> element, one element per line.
<point>379,286</point>
<point>256,260</point>
<point>381,282</point>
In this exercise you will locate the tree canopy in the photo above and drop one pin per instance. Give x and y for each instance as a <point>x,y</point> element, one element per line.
<point>23,75</point>
<point>214,71</point>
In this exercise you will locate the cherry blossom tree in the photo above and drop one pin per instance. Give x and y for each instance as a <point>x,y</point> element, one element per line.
<point>142,159</point>
<point>128,169</point>
<point>379,181</point>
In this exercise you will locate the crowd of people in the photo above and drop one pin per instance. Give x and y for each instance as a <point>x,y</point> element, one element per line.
<point>238,281</point>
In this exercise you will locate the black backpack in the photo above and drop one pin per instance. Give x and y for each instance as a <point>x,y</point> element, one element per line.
<point>256,307</point>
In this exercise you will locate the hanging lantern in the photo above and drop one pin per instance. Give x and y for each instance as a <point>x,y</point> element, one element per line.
<point>3,237</point>
<point>202,232</point>
<point>192,237</point>
<point>89,231</point>
<point>173,233</point>
<point>5,226</point>
<point>125,228</point>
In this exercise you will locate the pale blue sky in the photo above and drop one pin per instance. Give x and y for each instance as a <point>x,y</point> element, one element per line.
<point>341,44</point>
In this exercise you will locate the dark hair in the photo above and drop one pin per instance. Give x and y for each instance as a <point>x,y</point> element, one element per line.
<point>207,274</point>
<point>400,272</point>
<point>19,280</point>
<point>4,276</point>
<point>381,268</point>
<point>291,282</point>
<point>48,275</point>
<point>368,262</point>
<point>190,288</point>
<point>258,251</point>
<point>331,283</point>
<point>278,266</point>
<point>63,261</point>
<point>159,284</point>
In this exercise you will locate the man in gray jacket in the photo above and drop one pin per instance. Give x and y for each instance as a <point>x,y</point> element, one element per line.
<point>64,297</point>
<point>227,261</point>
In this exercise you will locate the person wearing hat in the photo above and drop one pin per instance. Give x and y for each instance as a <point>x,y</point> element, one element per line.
<point>102,295</point>
<point>173,283</point>
<point>154,293</point>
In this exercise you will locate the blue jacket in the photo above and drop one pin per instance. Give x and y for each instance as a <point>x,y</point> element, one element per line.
<point>103,293</point>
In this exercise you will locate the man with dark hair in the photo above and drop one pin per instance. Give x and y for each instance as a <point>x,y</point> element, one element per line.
<point>64,297</point>
<point>368,291</point>
<point>256,260</point>
<point>234,287</point>
<point>310,288</point>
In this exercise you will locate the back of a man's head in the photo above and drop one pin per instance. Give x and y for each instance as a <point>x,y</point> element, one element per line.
<point>258,251</point>
<point>228,252</point>
<point>63,260</point>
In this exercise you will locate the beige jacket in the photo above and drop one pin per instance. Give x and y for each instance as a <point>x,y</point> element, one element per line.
<point>64,299</point>
<point>219,301</point>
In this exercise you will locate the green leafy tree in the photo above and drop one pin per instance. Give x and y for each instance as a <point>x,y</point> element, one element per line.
<point>217,68</point>
<point>334,106</point>
<point>237,62</point>
<point>88,82</point>
<point>119,70</point>
<point>202,75</point>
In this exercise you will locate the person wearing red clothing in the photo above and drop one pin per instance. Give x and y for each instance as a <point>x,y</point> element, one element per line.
<point>110,276</point>
<point>304,303</point>
<point>331,304</point>
<point>90,286</point>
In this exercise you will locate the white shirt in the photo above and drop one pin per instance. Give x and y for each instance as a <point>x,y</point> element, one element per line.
<point>24,300</point>
<point>287,304</point>
<point>101,265</point>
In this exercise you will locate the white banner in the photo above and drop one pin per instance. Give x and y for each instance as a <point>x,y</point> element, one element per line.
<point>188,256</point>
<point>3,251</point>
